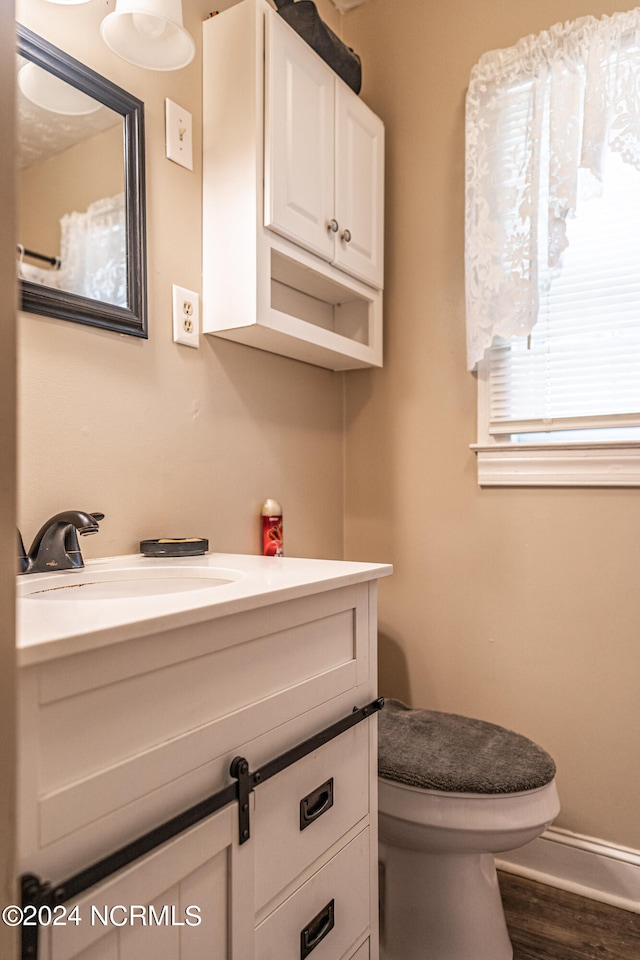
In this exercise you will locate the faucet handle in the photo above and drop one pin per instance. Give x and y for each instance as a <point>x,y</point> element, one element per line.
<point>96,517</point>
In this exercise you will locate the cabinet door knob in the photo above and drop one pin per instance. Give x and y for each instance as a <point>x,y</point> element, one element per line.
<point>333,226</point>
<point>346,235</point>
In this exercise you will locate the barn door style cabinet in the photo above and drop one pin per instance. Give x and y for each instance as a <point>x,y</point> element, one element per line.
<point>293,197</point>
<point>248,722</point>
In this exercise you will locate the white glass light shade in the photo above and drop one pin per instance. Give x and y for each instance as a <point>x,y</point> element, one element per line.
<point>68,3</point>
<point>53,94</point>
<point>149,33</point>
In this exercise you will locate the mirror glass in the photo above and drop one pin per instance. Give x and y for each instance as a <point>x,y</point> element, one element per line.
<point>81,249</point>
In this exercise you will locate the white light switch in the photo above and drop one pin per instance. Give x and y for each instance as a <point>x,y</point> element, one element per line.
<point>179,134</point>
<point>186,316</point>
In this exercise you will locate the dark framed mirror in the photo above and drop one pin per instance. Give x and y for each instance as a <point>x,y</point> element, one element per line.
<point>82,234</point>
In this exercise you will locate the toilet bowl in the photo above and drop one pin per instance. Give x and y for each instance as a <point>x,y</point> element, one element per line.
<point>453,792</point>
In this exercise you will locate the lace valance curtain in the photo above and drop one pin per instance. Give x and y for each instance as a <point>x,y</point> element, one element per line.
<point>540,117</point>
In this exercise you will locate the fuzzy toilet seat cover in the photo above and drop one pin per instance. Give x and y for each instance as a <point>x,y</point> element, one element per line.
<point>455,754</point>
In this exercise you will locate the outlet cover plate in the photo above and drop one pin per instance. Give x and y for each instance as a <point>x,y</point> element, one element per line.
<point>179,134</point>
<point>186,316</point>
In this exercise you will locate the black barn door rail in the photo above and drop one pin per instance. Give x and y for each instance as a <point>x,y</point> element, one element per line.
<point>38,893</point>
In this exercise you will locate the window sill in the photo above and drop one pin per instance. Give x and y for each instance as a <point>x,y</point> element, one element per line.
<point>603,464</point>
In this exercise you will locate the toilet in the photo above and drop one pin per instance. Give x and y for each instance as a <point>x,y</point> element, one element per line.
<point>452,792</point>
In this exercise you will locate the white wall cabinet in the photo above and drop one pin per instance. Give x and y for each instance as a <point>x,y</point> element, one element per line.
<point>119,738</point>
<point>324,156</point>
<point>293,174</point>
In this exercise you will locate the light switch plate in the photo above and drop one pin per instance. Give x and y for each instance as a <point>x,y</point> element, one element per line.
<point>179,134</point>
<point>186,316</point>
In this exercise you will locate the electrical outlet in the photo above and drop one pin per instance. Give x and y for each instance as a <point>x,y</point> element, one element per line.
<point>186,316</point>
<point>178,134</point>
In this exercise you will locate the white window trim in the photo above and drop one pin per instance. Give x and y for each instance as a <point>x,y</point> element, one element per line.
<point>603,463</point>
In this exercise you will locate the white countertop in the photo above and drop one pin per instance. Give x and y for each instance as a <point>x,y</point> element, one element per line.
<point>51,628</point>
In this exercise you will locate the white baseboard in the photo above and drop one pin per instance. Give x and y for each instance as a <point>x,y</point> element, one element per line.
<point>582,865</point>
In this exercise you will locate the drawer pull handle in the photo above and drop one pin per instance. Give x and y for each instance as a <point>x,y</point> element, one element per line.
<point>316,930</point>
<point>316,803</point>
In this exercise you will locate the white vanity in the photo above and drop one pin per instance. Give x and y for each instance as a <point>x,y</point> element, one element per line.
<point>140,682</point>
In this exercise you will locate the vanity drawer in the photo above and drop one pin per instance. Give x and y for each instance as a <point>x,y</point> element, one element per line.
<point>326,915</point>
<point>302,811</point>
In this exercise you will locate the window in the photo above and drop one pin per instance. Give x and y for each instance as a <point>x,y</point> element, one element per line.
<point>553,256</point>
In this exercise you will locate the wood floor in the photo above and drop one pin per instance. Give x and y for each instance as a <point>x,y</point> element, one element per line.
<point>549,924</point>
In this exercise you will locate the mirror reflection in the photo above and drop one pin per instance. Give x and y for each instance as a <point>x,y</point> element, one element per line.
<point>72,225</point>
<point>81,226</point>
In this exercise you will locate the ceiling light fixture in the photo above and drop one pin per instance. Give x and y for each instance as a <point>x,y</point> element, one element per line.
<point>149,33</point>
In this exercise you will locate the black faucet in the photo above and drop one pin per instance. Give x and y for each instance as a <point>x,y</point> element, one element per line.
<point>56,544</point>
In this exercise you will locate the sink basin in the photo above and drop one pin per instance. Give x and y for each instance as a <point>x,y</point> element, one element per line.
<point>122,584</point>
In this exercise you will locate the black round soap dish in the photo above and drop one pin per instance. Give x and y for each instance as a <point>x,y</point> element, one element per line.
<point>170,547</point>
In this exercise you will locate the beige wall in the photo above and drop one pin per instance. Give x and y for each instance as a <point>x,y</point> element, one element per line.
<point>7,481</point>
<point>164,439</point>
<point>518,606</point>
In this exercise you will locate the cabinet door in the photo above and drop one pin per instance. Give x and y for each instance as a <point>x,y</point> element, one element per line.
<point>359,188</point>
<point>191,899</point>
<point>299,140</point>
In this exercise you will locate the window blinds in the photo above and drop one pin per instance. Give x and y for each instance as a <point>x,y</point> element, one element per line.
<point>580,368</point>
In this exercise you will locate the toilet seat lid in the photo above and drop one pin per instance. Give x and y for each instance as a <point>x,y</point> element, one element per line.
<point>451,753</point>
